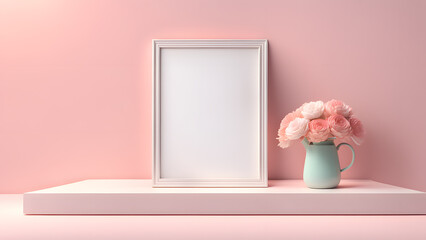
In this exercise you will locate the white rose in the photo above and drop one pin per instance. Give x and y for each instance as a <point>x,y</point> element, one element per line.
<point>313,110</point>
<point>297,128</point>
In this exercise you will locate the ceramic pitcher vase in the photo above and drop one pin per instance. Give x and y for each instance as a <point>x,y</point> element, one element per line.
<point>322,167</point>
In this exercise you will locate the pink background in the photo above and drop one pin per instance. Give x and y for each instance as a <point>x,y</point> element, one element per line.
<point>75,81</point>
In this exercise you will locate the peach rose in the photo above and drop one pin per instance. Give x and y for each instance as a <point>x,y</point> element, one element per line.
<point>297,128</point>
<point>318,130</point>
<point>334,107</point>
<point>339,126</point>
<point>358,131</point>
<point>313,110</point>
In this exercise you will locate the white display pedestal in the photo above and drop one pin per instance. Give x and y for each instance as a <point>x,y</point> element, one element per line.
<point>281,197</point>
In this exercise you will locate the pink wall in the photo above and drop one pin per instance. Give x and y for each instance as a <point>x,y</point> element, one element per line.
<point>75,81</point>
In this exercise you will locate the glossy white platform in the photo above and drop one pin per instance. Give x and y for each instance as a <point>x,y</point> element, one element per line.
<point>281,197</point>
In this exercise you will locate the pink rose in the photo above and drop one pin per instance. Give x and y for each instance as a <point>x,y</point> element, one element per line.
<point>339,126</point>
<point>285,122</point>
<point>334,107</point>
<point>298,111</point>
<point>318,130</point>
<point>283,142</point>
<point>313,110</point>
<point>297,128</point>
<point>358,131</point>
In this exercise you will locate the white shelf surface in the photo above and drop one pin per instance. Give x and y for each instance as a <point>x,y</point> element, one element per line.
<point>281,197</point>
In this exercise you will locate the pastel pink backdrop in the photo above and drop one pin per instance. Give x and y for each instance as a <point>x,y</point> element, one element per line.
<point>75,81</point>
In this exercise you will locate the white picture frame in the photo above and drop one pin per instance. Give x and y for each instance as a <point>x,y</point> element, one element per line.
<point>210,113</point>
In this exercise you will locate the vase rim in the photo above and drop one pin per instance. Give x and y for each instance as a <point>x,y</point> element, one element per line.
<point>329,141</point>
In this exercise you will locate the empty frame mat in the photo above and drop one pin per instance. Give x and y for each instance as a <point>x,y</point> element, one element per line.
<point>209,113</point>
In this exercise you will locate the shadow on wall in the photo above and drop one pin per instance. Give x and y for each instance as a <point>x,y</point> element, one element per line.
<point>386,158</point>
<point>288,89</point>
<point>281,100</point>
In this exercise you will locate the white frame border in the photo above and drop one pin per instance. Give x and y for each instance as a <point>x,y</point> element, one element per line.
<point>262,46</point>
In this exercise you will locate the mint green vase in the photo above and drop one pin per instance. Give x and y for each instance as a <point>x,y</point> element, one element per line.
<point>322,167</point>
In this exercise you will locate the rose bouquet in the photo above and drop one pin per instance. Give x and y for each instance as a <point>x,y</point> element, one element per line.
<point>319,121</point>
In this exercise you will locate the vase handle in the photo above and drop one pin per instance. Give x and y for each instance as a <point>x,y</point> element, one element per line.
<point>353,155</point>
